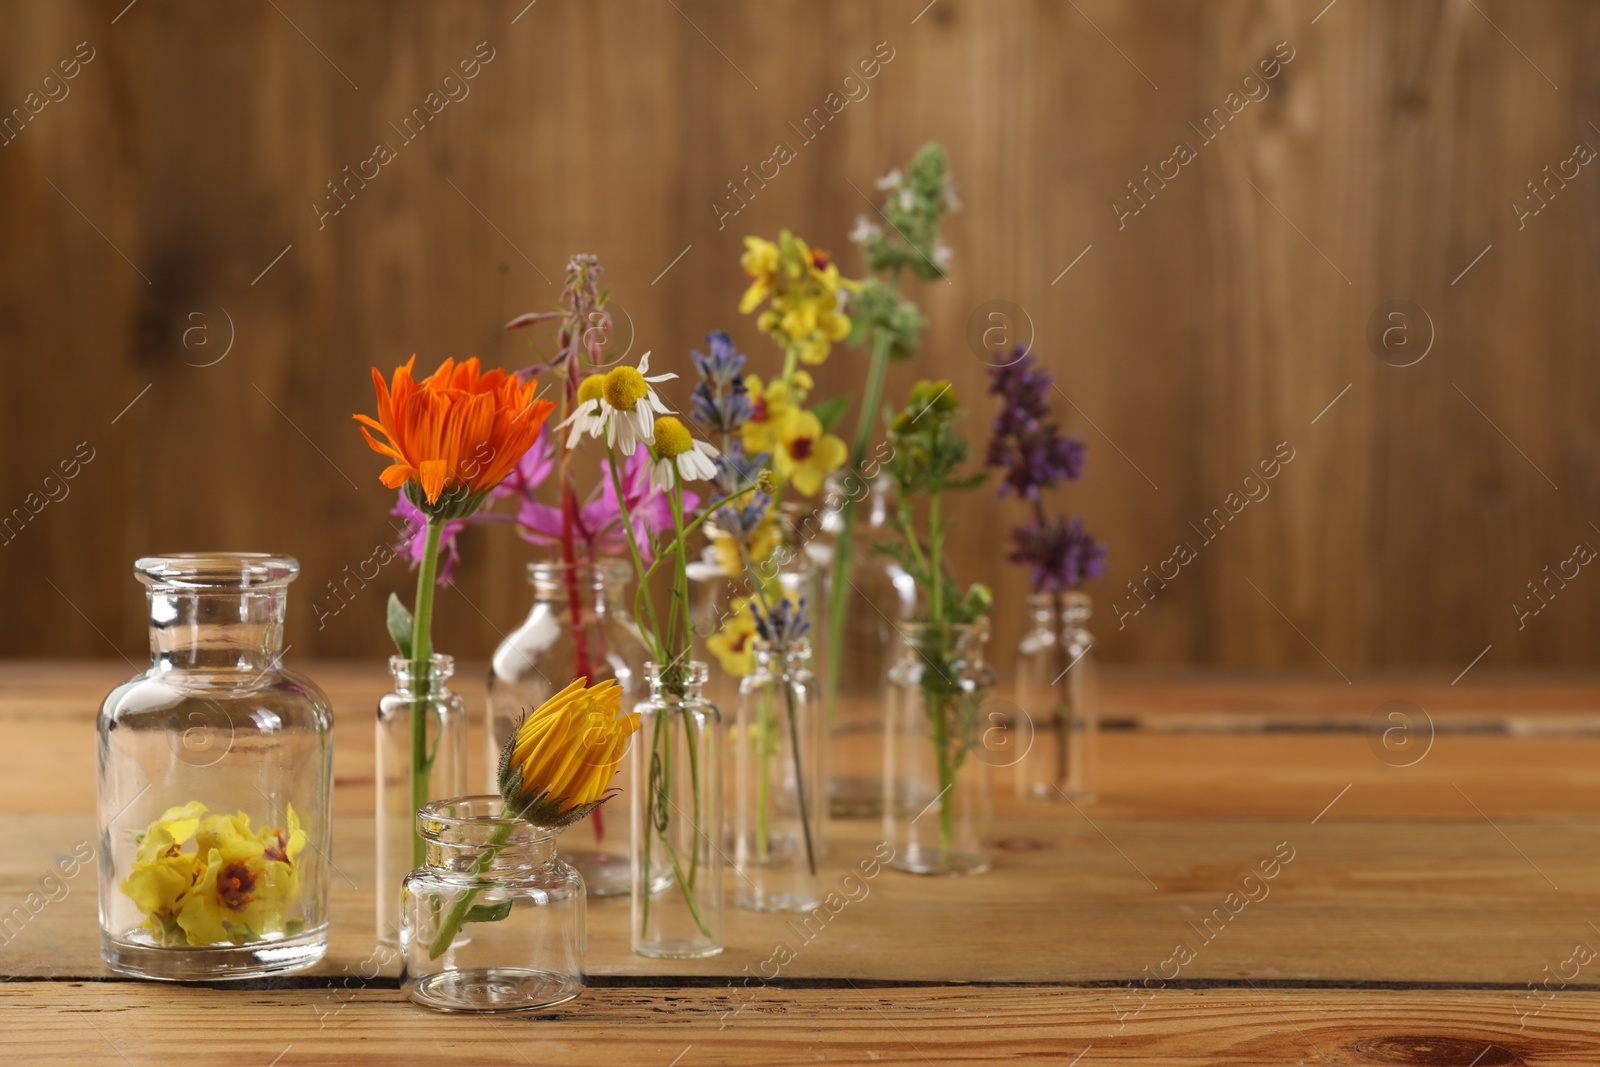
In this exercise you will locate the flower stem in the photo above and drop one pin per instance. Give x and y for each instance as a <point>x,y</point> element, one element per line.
<point>452,924</point>
<point>421,679</point>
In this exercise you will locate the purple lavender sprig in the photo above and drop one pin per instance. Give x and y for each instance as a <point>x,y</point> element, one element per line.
<point>1035,456</point>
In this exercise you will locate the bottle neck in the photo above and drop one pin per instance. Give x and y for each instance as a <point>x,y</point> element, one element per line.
<point>471,851</point>
<point>1066,610</point>
<point>216,631</point>
<point>796,659</point>
<point>597,587</point>
<point>681,682</point>
<point>430,680</point>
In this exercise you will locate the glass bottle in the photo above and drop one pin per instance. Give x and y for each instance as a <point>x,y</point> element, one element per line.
<point>493,920</point>
<point>1058,692</point>
<point>579,626</point>
<point>215,770</point>
<point>677,816</point>
<point>444,722</point>
<point>780,812</point>
<point>724,632</point>
<point>938,793</point>
<point>876,597</point>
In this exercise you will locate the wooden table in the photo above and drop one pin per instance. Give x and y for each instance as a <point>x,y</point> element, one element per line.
<point>1410,911</point>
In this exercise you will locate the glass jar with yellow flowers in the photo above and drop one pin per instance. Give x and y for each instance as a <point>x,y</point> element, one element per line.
<point>215,776</point>
<point>493,920</point>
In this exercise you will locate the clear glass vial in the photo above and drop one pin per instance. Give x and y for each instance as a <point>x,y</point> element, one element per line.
<point>579,626</point>
<point>493,920</point>
<point>938,799</point>
<point>443,722</point>
<point>215,777</point>
<point>1058,691</point>
<point>780,775</point>
<point>677,817</point>
<point>876,596</point>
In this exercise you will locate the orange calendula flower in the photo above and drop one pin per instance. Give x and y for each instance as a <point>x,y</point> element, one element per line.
<point>454,435</point>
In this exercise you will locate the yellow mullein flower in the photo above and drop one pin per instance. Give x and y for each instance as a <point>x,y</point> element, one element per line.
<point>734,644</point>
<point>803,285</point>
<point>161,873</point>
<point>770,405</point>
<point>768,535</point>
<point>805,454</point>
<point>760,262</point>
<point>248,881</point>
<point>559,763</point>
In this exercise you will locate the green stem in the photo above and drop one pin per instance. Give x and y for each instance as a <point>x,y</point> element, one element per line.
<point>799,778</point>
<point>452,924</point>
<point>843,546</point>
<point>936,555</point>
<point>421,667</point>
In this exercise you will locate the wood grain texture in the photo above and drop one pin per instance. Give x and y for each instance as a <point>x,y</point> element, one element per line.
<point>1190,340</point>
<point>650,1026</point>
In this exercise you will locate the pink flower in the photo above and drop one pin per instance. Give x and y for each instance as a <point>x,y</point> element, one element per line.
<point>598,522</point>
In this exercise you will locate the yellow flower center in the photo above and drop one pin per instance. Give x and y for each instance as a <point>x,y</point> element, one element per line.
<point>672,437</point>
<point>624,387</point>
<point>591,388</point>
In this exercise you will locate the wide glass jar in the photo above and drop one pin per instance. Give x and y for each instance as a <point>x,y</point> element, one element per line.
<point>493,920</point>
<point>1059,696</point>
<point>677,816</point>
<point>938,791</point>
<point>865,596</point>
<point>215,770</point>
<point>579,627</point>
<point>421,702</point>
<point>780,774</point>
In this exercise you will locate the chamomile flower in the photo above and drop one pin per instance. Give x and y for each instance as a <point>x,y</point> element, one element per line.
<point>678,453</point>
<point>622,404</point>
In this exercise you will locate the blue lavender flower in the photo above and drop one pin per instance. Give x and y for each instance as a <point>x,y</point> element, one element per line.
<point>737,471</point>
<point>786,624</point>
<point>719,400</point>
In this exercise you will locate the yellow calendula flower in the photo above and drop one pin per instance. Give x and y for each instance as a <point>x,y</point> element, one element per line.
<point>803,285</point>
<point>559,763</point>
<point>734,644</point>
<point>805,454</point>
<point>770,406</point>
<point>237,886</point>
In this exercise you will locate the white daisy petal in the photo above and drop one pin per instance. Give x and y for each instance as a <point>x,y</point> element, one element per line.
<point>661,473</point>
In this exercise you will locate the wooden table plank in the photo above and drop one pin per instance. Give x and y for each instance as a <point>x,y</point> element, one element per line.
<point>1472,868</point>
<point>694,1027</point>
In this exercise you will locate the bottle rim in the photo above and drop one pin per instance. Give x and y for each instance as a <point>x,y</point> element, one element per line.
<point>219,571</point>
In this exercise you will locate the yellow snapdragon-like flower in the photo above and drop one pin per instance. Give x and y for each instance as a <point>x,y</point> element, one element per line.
<point>559,763</point>
<point>770,406</point>
<point>734,643</point>
<point>238,885</point>
<point>805,454</point>
<point>803,286</point>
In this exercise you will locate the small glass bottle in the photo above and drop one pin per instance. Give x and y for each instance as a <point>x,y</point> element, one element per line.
<point>781,810</point>
<point>215,782</point>
<point>1058,691</point>
<point>677,816</point>
<point>399,796</point>
<point>874,597</point>
<point>546,653</point>
<point>938,792</point>
<point>493,920</point>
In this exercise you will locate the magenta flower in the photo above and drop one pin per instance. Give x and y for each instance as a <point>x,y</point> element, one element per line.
<point>598,522</point>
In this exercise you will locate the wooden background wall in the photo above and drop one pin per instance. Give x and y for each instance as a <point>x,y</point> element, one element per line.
<point>1222,319</point>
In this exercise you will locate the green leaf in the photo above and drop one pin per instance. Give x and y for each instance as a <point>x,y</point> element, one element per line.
<point>488,913</point>
<point>830,411</point>
<point>400,626</point>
